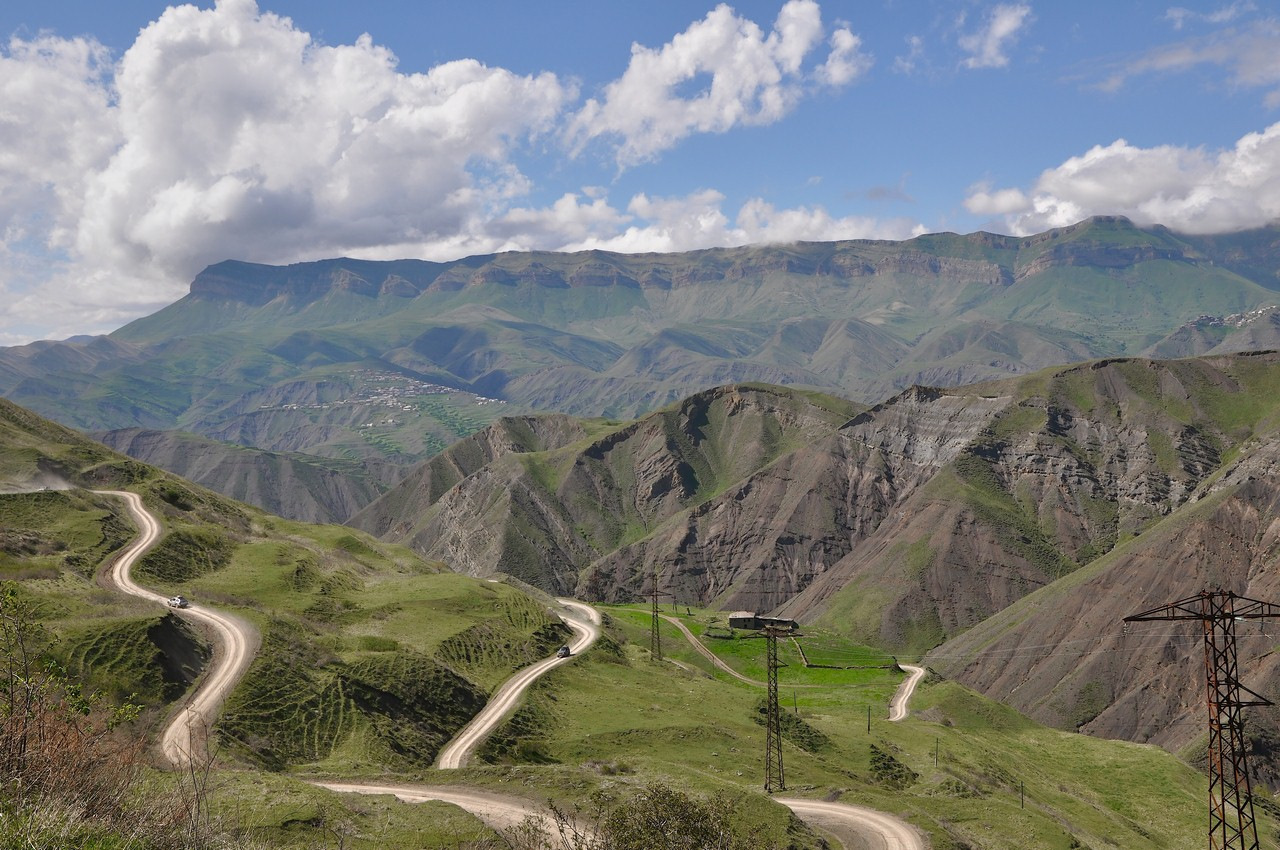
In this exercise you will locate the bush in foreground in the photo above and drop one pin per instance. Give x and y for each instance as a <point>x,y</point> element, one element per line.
<point>656,816</point>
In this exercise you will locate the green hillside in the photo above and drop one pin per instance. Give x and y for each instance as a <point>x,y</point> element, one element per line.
<point>363,644</point>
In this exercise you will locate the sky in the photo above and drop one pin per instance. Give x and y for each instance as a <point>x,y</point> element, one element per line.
<point>140,142</point>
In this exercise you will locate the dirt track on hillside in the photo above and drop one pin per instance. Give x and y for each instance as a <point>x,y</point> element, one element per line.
<point>235,643</point>
<point>901,697</point>
<point>709,655</point>
<point>855,827</point>
<point>458,751</point>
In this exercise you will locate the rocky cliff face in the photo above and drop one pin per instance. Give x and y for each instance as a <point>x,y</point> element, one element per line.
<point>1064,656</point>
<point>398,512</point>
<point>768,537</point>
<point>949,504</point>
<point>906,524</point>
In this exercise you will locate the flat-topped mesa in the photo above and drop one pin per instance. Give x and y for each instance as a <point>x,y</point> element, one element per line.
<point>254,283</point>
<point>980,258</point>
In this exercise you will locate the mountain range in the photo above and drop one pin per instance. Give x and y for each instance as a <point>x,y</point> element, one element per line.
<point>370,657</point>
<point>354,360</point>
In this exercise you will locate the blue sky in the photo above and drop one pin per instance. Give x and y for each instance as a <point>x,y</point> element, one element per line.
<point>139,143</point>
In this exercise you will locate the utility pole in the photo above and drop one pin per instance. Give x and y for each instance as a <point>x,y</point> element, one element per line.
<point>1231,824</point>
<point>774,780</point>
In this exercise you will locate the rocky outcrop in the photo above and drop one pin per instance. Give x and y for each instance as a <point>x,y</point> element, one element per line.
<point>1100,256</point>
<point>1063,655</point>
<point>396,513</point>
<point>256,284</point>
<point>771,537</point>
<point>920,264</point>
<point>545,515</point>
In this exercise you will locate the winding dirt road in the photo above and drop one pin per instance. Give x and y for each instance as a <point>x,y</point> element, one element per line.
<point>902,696</point>
<point>458,751</point>
<point>709,655</point>
<point>856,826</point>
<point>498,811</point>
<point>235,642</point>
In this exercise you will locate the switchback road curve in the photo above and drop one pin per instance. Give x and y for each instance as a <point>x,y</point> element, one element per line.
<point>457,752</point>
<point>235,642</point>
<point>898,705</point>
<point>856,826</point>
<point>498,811</point>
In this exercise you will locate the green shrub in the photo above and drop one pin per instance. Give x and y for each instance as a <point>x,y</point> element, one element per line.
<point>186,554</point>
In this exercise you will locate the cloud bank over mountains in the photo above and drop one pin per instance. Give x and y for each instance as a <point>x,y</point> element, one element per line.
<point>1190,190</point>
<point>230,132</point>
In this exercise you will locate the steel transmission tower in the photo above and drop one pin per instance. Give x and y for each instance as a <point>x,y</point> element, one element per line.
<point>774,779</point>
<point>655,637</point>
<point>1231,824</point>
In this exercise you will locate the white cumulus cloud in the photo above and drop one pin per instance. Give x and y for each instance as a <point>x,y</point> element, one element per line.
<point>245,138</point>
<point>55,129</point>
<point>699,220</point>
<point>739,75</point>
<point>1188,189</point>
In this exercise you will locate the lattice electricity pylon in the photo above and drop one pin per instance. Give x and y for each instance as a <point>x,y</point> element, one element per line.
<point>1231,824</point>
<point>774,778</point>
<point>655,636</point>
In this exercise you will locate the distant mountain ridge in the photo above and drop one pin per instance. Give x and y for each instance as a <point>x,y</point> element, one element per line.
<point>393,361</point>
